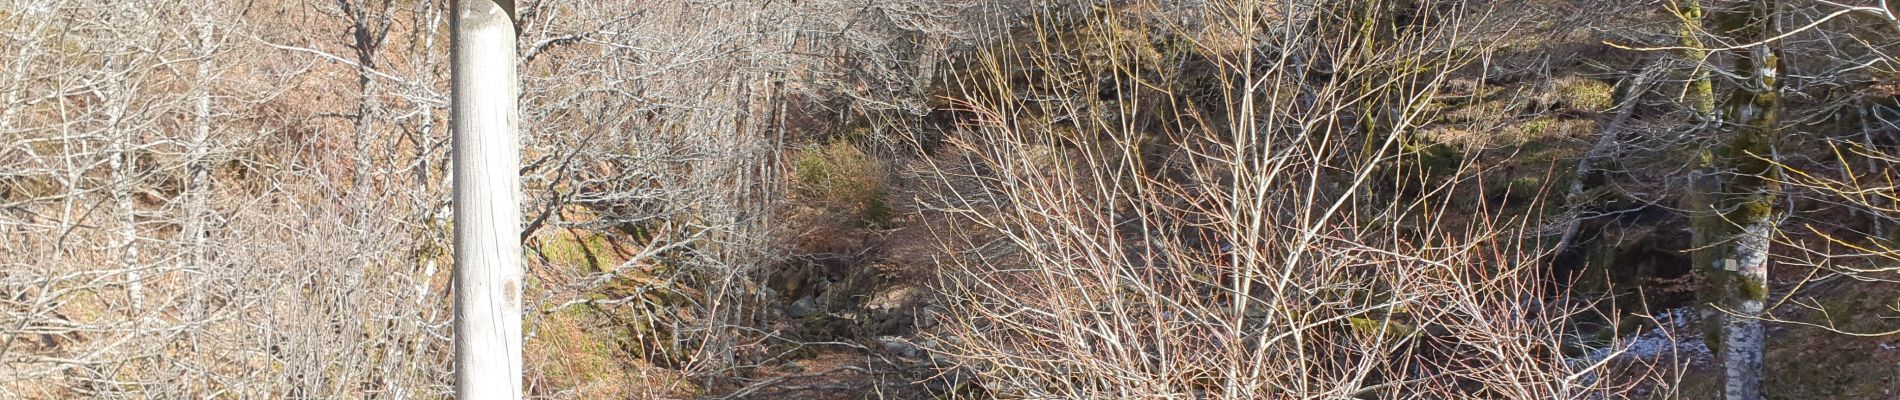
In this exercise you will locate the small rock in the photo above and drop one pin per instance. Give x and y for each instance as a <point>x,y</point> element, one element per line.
<point>805,306</point>
<point>892,299</point>
<point>931,316</point>
<point>900,347</point>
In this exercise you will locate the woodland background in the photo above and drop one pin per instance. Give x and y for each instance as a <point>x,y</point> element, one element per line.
<point>959,198</point>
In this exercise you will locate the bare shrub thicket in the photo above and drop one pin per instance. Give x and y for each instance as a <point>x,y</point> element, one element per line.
<point>204,199</point>
<point>663,124</point>
<point>192,213</point>
<point>1236,199</point>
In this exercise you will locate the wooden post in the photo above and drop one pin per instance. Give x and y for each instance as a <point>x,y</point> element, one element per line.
<point>487,206</point>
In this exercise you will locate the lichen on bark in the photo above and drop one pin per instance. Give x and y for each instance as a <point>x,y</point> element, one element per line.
<point>1736,193</point>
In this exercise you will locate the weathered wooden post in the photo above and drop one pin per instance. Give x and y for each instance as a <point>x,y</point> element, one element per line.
<point>487,206</point>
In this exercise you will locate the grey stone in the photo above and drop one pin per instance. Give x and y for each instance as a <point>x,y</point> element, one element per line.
<point>805,306</point>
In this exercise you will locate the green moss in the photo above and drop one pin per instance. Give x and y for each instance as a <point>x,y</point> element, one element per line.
<point>1370,327</point>
<point>1537,127</point>
<point>1856,307</point>
<point>1586,94</point>
<point>802,353</point>
<point>1752,288</point>
<point>877,212</point>
<point>1523,187</point>
<point>594,253</point>
<point>1436,159</point>
<point>1701,91</point>
<point>1601,270</point>
<point>826,325</point>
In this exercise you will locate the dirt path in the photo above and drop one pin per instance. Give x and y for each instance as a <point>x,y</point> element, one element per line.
<point>854,303</point>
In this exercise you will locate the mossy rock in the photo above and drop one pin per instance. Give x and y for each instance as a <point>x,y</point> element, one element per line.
<point>1519,189</point>
<point>1585,94</point>
<point>826,325</point>
<point>1369,327</point>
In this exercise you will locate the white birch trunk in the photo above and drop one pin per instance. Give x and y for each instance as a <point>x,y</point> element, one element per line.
<point>126,239</point>
<point>424,79</point>
<point>198,147</point>
<point>122,165</point>
<point>1742,338</point>
<point>1745,204</point>
<point>487,209</point>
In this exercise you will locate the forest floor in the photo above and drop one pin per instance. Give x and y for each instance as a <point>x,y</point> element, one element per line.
<point>867,297</point>
<point>1839,341</point>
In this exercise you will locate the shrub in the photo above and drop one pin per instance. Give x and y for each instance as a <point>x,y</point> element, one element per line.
<point>1249,264</point>
<point>840,176</point>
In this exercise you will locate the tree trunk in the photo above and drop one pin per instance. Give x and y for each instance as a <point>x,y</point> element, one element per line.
<point>198,146</point>
<point>487,207</point>
<point>1606,139</point>
<point>1700,92</point>
<point>123,166</point>
<point>425,141</point>
<point>1739,233</point>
